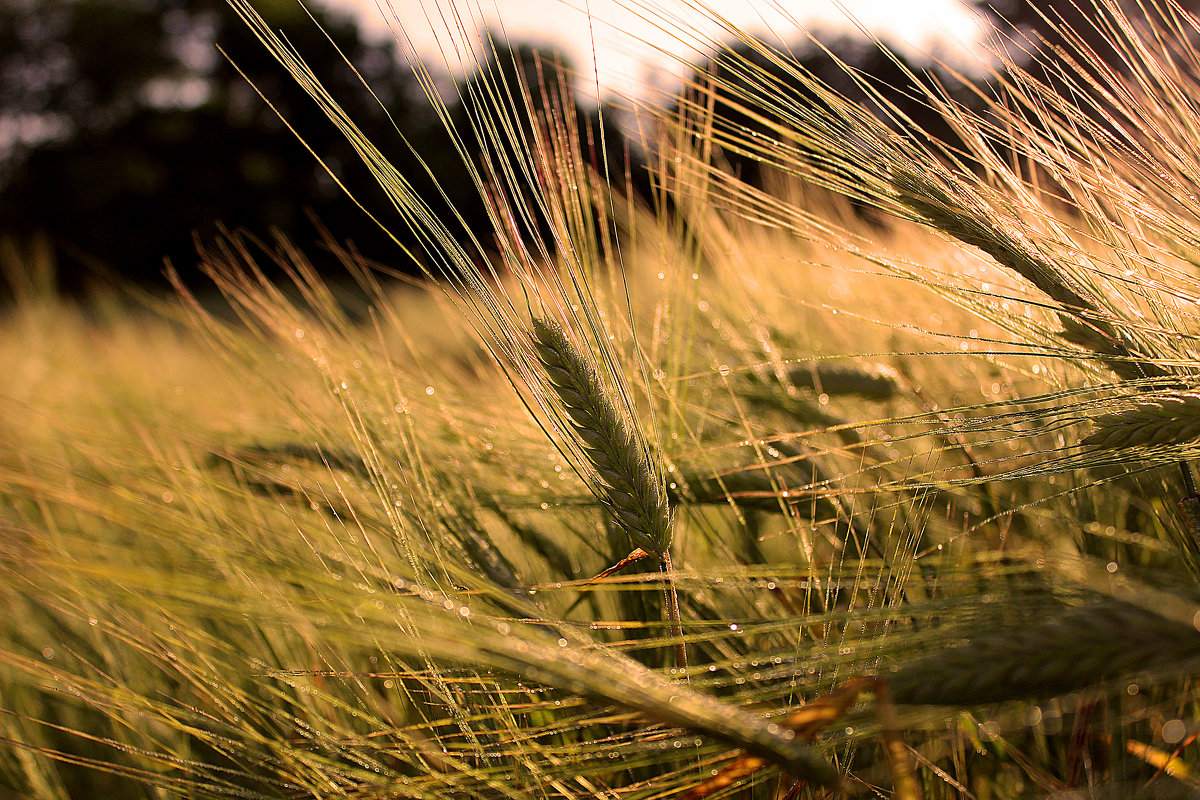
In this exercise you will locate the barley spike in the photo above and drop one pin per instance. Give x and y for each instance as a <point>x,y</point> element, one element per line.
<point>1072,650</point>
<point>1170,421</point>
<point>958,212</point>
<point>625,483</point>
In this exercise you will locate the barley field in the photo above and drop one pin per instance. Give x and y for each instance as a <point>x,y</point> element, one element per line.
<point>872,481</point>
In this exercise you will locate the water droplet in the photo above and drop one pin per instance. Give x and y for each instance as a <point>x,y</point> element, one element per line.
<point>1173,731</point>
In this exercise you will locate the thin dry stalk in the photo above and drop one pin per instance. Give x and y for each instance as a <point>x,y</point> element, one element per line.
<point>806,723</point>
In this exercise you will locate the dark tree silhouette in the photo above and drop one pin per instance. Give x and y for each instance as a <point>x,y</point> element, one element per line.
<point>128,133</point>
<point>124,135</point>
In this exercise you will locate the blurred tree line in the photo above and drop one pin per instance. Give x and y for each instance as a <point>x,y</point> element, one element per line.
<point>123,130</point>
<point>125,136</point>
<point>1036,36</point>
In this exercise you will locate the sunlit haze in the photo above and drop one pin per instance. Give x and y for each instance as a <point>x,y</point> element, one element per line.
<point>630,48</point>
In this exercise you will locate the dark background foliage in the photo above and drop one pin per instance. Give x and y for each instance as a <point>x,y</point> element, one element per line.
<point>125,137</point>
<point>144,137</point>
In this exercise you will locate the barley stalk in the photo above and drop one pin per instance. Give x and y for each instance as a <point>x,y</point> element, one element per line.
<point>1170,421</point>
<point>1077,648</point>
<point>626,483</point>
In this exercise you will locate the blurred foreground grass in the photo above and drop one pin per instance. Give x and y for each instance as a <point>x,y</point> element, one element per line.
<point>299,553</point>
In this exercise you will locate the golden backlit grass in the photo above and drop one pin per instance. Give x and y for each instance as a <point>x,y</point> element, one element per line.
<point>289,546</point>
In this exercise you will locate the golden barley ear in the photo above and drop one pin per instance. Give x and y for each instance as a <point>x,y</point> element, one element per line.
<point>958,211</point>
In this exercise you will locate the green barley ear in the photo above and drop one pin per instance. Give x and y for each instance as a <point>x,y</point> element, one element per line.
<point>1169,421</point>
<point>1075,649</point>
<point>626,481</point>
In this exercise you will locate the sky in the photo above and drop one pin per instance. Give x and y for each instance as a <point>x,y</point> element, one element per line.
<point>631,47</point>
